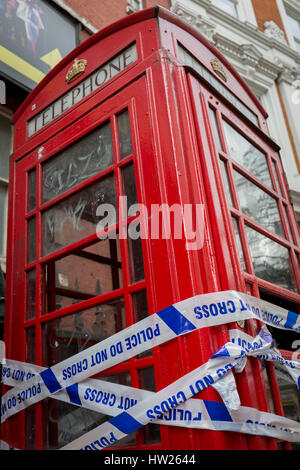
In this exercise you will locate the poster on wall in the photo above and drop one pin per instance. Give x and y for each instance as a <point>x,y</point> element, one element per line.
<point>34,37</point>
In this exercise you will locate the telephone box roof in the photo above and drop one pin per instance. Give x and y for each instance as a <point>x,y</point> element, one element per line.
<point>141,16</point>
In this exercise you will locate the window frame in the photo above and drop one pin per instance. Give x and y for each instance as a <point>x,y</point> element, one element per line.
<point>6,113</point>
<point>281,197</point>
<point>289,8</point>
<point>86,124</point>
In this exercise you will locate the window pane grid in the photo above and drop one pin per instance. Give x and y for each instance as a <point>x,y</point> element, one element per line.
<point>131,291</point>
<point>271,186</point>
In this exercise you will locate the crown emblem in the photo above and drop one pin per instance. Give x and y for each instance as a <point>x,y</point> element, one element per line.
<point>76,70</point>
<point>218,68</point>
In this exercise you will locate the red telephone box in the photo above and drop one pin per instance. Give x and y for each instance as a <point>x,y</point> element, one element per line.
<point>147,108</point>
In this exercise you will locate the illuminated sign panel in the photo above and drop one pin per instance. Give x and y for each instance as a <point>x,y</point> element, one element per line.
<point>29,48</point>
<point>94,81</point>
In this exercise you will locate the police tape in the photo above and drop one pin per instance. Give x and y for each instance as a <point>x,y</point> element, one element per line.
<point>110,399</point>
<point>176,320</point>
<point>179,392</point>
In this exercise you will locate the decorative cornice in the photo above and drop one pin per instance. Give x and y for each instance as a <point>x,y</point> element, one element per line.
<point>273,31</point>
<point>202,24</point>
<point>283,63</point>
<point>248,55</point>
<point>246,29</point>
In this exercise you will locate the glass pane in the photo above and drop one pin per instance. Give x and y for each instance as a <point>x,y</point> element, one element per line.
<point>136,261</point>
<point>215,128</point>
<point>239,244</point>
<point>292,239</point>
<point>30,428</point>
<point>141,311</point>
<point>66,422</point>
<point>226,5</point>
<point>129,184</point>
<point>5,146</point>
<point>257,204</point>
<point>76,217</point>
<point>271,261</point>
<point>271,404</point>
<point>68,335</point>
<point>248,156</point>
<point>124,134</point>
<point>31,239</point>
<point>295,26</point>
<point>279,190</point>
<point>290,397</point>
<point>30,345</point>
<point>226,183</point>
<point>151,432</point>
<point>84,274</point>
<point>31,190</point>
<point>3,215</point>
<point>87,157</point>
<point>140,305</point>
<point>30,295</point>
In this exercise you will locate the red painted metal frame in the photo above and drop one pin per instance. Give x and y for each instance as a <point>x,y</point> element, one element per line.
<point>175,161</point>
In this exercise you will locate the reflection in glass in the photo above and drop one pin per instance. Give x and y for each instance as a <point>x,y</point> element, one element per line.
<point>248,156</point>
<point>30,345</point>
<point>270,399</point>
<point>271,261</point>
<point>292,238</point>
<point>78,162</point>
<point>279,190</point>
<point>215,128</point>
<point>136,261</point>
<point>239,243</point>
<point>226,183</point>
<point>140,305</point>
<point>68,335</point>
<point>31,239</point>
<point>31,203</point>
<point>75,218</point>
<point>141,311</point>
<point>290,397</point>
<point>84,274</point>
<point>129,184</point>
<point>151,432</point>
<point>257,204</point>
<point>66,422</point>
<point>30,433</point>
<point>30,294</point>
<point>227,5</point>
<point>124,134</point>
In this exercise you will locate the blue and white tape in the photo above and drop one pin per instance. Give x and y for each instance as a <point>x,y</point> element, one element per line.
<point>179,392</point>
<point>178,319</point>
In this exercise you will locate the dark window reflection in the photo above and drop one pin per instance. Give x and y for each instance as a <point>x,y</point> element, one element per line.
<point>246,154</point>
<point>271,261</point>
